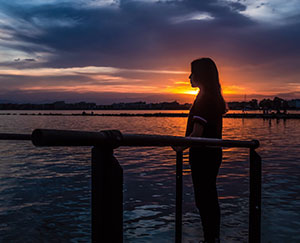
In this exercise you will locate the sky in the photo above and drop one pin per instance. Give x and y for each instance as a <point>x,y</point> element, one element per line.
<point>108,51</point>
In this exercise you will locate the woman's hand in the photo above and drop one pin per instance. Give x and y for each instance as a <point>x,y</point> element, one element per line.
<point>179,148</point>
<point>197,132</point>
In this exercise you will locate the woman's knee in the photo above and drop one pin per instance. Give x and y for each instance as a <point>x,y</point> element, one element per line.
<point>206,200</point>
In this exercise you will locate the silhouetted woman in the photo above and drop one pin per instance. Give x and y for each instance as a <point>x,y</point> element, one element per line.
<point>205,120</point>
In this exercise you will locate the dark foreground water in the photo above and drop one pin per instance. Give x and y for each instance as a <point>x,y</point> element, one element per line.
<point>45,192</point>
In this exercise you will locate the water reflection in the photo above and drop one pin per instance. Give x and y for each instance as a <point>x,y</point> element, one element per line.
<point>45,192</point>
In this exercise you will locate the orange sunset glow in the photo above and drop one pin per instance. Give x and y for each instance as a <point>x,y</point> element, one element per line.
<point>110,60</point>
<point>149,121</point>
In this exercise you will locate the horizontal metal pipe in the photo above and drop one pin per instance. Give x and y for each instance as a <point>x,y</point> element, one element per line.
<point>48,137</point>
<point>14,136</point>
<point>161,140</point>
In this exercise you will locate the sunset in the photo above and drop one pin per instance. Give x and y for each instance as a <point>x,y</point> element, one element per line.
<point>108,51</point>
<point>147,121</point>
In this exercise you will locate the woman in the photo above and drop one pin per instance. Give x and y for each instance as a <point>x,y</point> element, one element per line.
<point>205,120</point>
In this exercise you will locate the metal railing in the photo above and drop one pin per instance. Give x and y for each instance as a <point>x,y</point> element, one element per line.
<point>107,174</point>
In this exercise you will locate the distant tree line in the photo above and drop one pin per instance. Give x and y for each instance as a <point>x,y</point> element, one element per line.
<point>61,105</point>
<point>265,104</point>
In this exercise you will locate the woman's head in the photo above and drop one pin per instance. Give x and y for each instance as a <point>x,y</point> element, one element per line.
<point>204,74</point>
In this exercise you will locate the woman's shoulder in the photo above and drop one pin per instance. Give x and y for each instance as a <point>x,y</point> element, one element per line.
<point>209,105</point>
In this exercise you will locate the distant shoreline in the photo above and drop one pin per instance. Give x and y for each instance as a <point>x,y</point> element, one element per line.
<point>160,114</point>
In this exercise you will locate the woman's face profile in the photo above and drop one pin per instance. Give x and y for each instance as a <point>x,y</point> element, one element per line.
<point>193,82</point>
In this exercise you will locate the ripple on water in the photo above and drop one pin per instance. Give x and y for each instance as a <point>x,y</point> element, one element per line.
<point>45,192</point>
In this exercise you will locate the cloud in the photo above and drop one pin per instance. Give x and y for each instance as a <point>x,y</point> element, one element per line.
<point>85,79</point>
<point>144,43</point>
<point>114,36</point>
<point>139,33</point>
<point>35,96</point>
<point>196,16</point>
<point>272,12</point>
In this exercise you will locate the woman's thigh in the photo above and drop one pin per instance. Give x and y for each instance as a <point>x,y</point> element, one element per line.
<point>205,162</point>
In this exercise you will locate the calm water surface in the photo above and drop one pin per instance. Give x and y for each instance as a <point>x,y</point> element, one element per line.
<point>45,192</point>
<point>17,112</point>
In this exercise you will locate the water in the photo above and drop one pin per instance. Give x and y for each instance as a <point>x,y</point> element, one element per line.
<point>36,112</point>
<point>45,192</point>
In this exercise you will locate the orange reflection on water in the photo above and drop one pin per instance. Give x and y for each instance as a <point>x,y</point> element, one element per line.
<point>227,197</point>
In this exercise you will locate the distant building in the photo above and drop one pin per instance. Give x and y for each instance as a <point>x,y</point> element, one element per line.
<point>59,105</point>
<point>294,103</point>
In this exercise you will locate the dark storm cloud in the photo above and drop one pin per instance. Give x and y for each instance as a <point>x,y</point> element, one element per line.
<point>13,82</point>
<point>10,82</point>
<point>124,35</point>
<point>146,35</point>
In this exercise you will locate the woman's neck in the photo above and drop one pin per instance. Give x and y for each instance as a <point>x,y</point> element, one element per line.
<point>201,92</point>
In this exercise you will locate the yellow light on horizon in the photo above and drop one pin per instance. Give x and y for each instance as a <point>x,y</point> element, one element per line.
<point>191,92</point>
<point>186,89</point>
<point>183,90</point>
<point>182,87</point>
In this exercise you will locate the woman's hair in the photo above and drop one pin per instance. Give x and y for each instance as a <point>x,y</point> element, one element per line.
<point>206,73</point>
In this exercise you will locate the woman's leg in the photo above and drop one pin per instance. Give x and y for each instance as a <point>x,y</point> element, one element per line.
<point>205,166</point>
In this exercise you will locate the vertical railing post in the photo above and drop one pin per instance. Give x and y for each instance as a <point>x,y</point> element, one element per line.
<point>178,223</point>
<point>255,197</point>
<point>107,192</point>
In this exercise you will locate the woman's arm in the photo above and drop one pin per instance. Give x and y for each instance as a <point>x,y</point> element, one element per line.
<point>197,130</point>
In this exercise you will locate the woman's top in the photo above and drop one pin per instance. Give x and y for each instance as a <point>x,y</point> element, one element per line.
<point>208,111</point>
